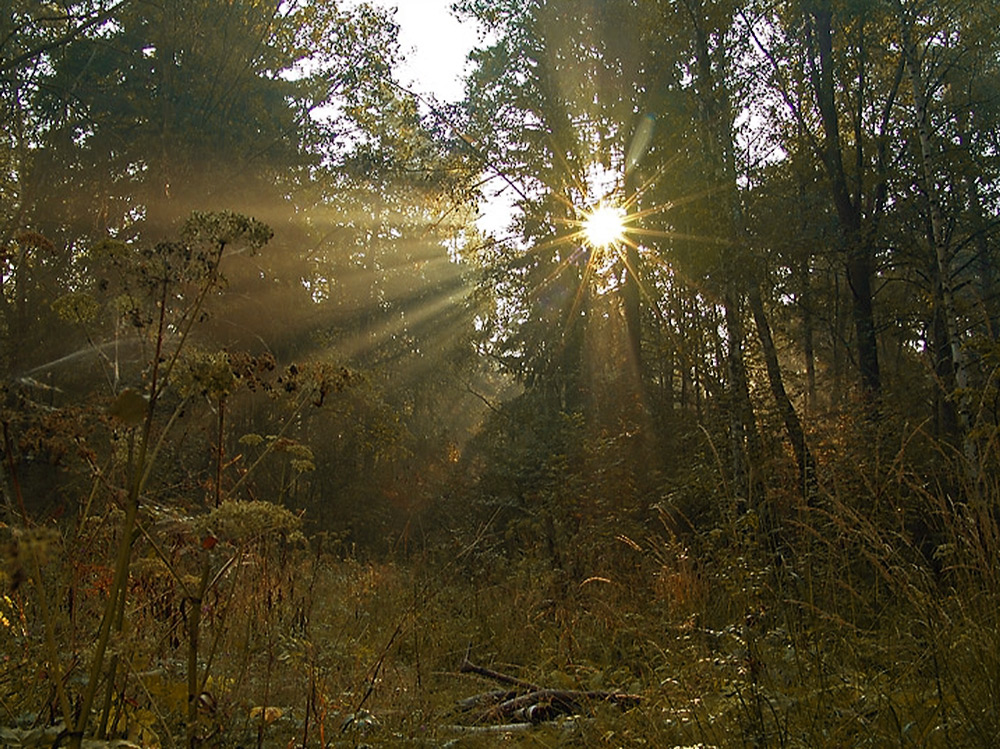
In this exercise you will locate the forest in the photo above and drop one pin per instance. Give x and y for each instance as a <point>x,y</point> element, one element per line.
<point>647,396</point>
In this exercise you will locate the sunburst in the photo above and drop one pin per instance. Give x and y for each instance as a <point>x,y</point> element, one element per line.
<point>604,226</point>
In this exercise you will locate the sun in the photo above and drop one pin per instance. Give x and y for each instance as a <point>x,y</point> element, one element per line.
<point>604,226</point>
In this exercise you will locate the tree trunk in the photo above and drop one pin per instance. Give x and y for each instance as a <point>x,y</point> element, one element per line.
<point>945,417</point>
<point>860,256</point>
<point>630,300</point>
<point>630,291</point>
<point>745,450</point>
<point>793,426</point>
<point>939,240</point>
<point>717,119</point>
<point>808,342</point>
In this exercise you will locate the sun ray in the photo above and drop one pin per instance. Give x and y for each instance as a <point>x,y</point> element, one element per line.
<point>663,234</point>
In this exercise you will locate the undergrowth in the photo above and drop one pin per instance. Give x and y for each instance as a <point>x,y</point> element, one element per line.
<point>181,601</point>
<point>859,628</point>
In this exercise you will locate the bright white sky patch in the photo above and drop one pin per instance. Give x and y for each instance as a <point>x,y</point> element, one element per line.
<point>435,45</point>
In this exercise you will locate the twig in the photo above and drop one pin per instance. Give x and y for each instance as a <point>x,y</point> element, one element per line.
<point>501,728</point>
<point>468,667</point>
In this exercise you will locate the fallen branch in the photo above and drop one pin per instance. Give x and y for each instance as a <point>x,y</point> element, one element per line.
<point>530,704</point>
<point>486,698</point>
<point>543,705</point>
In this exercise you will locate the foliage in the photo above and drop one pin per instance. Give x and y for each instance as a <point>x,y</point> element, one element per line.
<point>742,463</point>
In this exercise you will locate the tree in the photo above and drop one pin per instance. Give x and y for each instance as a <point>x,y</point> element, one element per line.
<point>136,122</point>
<point>549,107</point>
<point>286,112</point>
<point>951,222</point>
<point>840,90</point>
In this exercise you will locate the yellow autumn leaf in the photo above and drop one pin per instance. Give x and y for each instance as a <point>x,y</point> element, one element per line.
<point>270,714</point>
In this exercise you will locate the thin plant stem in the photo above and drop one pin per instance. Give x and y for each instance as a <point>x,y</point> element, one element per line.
<point>141,468</point>
<point>194,630</point>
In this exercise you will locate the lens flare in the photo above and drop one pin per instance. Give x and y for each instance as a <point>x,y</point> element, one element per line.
<point>604,226</point>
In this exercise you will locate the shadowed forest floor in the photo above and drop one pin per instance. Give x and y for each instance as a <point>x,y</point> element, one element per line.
<point>846,636</point>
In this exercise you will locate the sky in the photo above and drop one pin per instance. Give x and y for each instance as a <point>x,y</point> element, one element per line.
<point>435,45</point>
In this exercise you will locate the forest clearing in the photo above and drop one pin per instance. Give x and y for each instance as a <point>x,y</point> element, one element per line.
<point>699,450</point>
